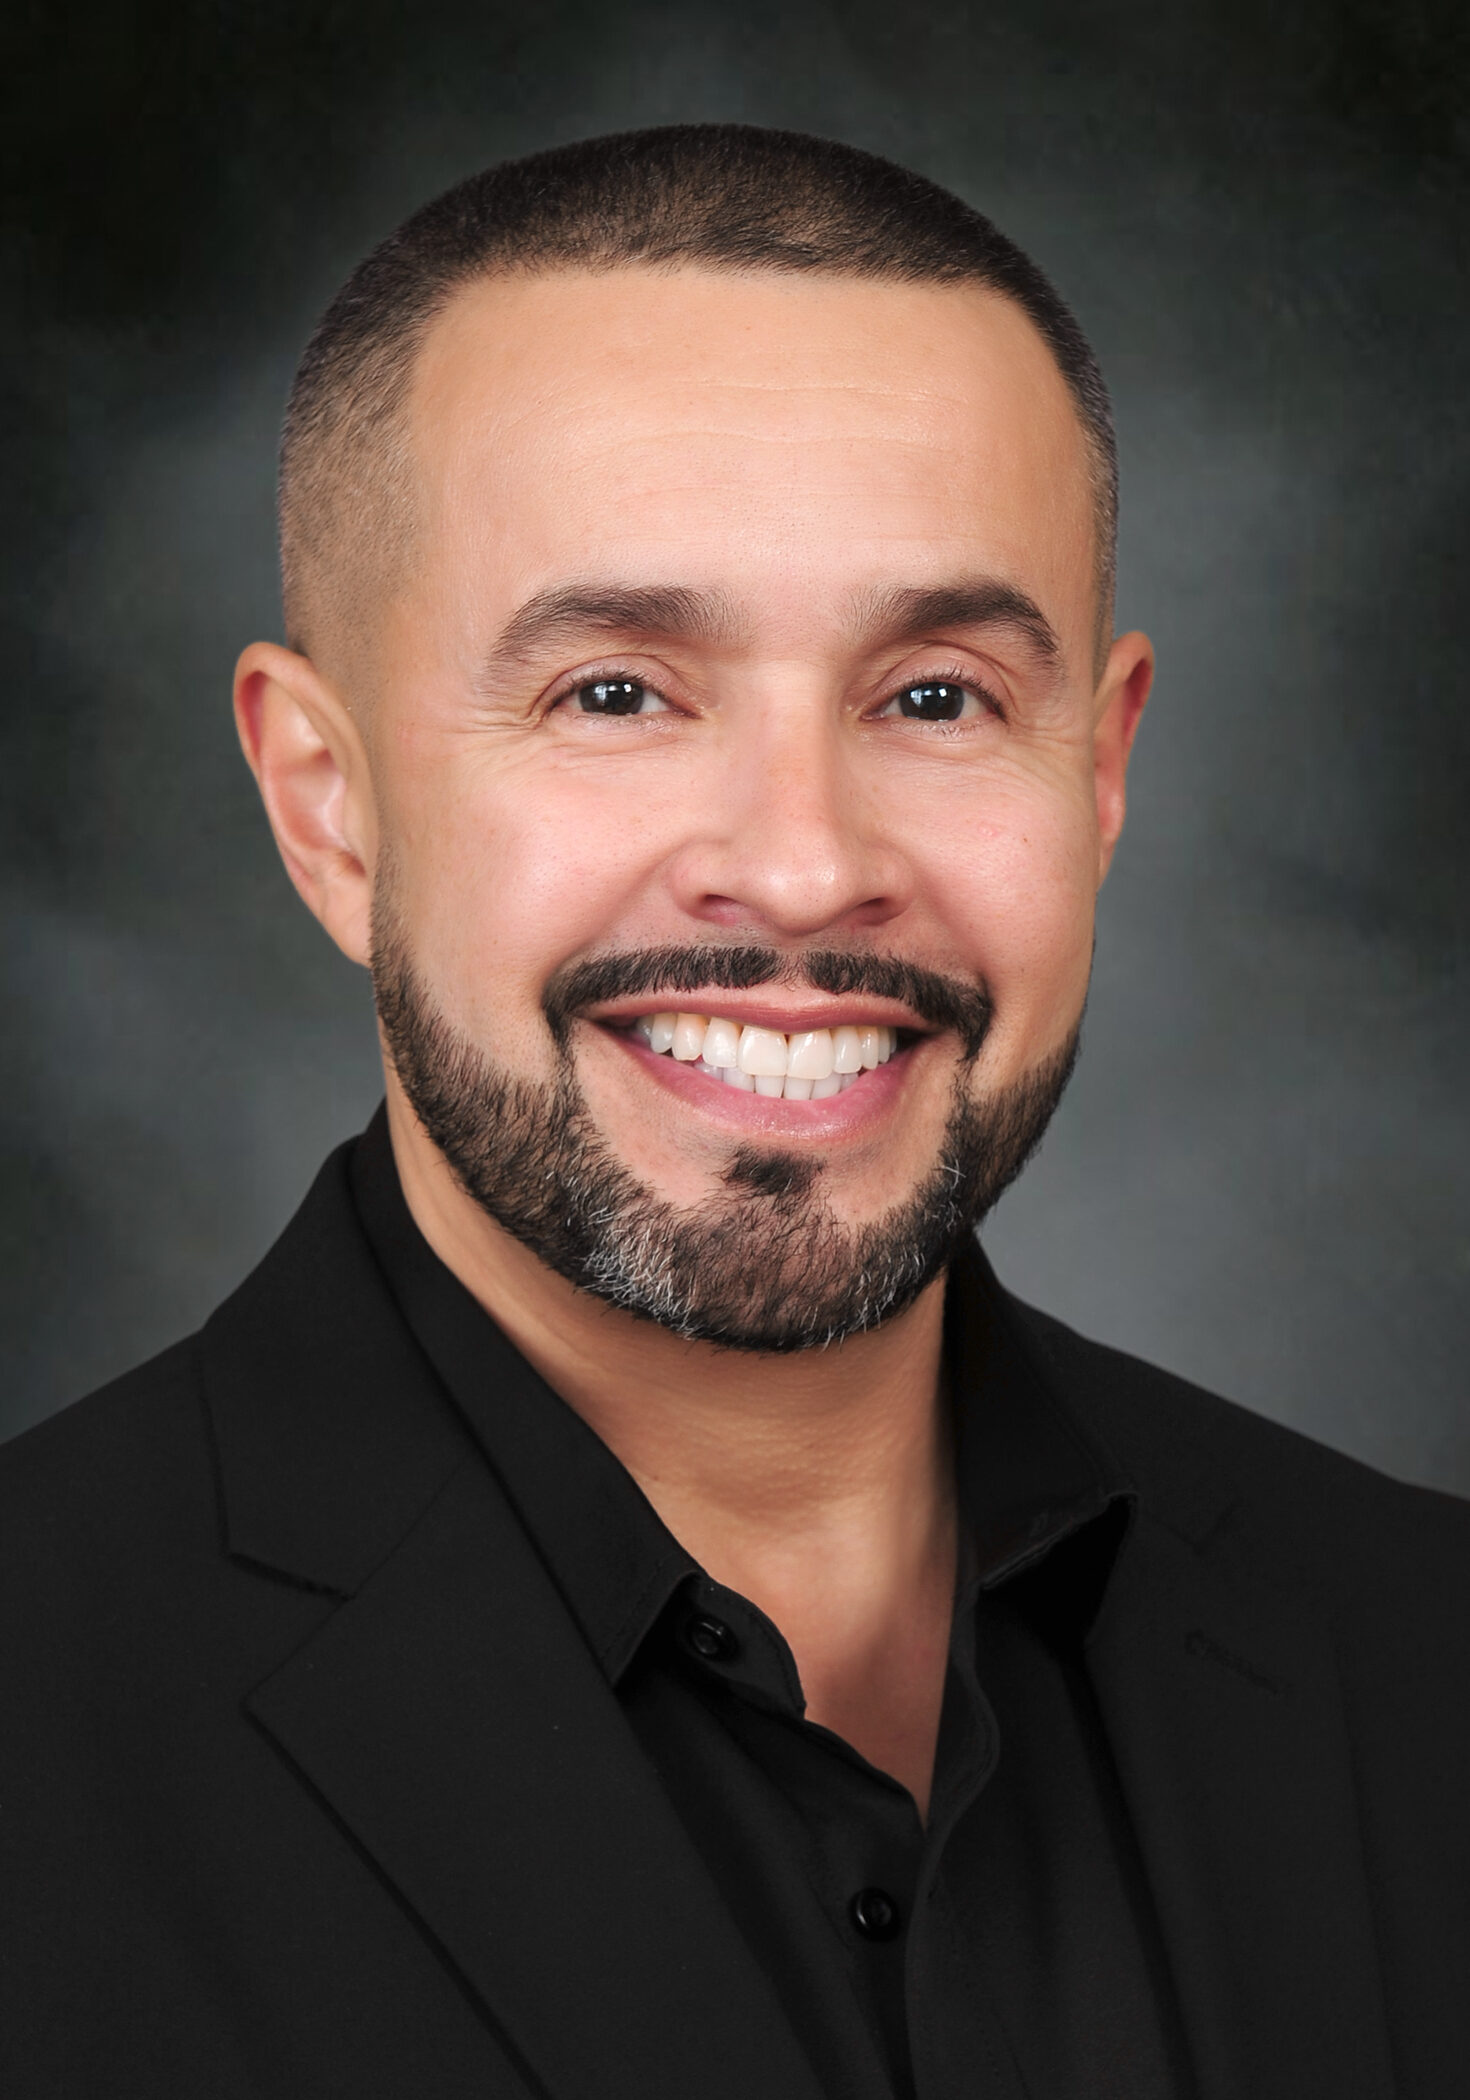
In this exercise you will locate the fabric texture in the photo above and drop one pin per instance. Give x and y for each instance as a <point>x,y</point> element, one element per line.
<point>311,1781</point>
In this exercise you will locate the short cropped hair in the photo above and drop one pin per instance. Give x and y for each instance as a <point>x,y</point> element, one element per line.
<point>733,197</point>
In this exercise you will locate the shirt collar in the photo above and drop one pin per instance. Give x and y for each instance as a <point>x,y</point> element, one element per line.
<point>1029,1477</point>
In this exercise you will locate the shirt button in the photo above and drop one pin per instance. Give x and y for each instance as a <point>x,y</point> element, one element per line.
<point>875,1914</point>
<point>711,1640</point>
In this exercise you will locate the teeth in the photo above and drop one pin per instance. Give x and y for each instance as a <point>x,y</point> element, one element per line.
<point>722,1045</point>
<point>813,1064</point>
<point>689,1034</point>
<point>847,1050</point>
<point>810,1056</point>
<point>763,1053</point>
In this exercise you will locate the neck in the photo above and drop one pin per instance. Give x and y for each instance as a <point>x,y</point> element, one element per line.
<point>818,1484</point>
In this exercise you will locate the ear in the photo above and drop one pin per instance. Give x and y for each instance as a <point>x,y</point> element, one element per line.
<point>1117,710</point>
<point>311,767</point>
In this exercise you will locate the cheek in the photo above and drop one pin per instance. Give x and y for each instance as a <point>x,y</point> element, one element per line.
<point>1018,880</point>
<point>507,871</point>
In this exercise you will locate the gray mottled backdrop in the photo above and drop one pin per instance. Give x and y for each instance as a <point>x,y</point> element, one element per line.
<point>1261,1176</point>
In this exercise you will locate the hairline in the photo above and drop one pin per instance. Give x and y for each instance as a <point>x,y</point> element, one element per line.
<point>387,426</point>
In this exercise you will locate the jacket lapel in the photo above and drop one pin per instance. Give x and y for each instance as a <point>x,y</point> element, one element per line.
<point>453,1720</point>
<point>1222,1704</point>
<point>448,1714</point>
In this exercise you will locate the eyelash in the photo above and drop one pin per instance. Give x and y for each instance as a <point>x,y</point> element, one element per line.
<point>939,674</point>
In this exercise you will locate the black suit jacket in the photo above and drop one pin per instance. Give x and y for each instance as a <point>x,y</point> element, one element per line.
<point>309,1786</point>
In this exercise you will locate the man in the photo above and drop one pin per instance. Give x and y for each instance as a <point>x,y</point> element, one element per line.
<point>622,1602</point>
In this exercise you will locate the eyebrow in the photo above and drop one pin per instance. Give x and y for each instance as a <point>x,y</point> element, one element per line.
<point>904,615</point>
<point>678,612</point>
<point>668,610</point>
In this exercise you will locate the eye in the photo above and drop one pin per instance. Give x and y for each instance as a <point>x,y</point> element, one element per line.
<point>617,696</point>
<point>935,700</point>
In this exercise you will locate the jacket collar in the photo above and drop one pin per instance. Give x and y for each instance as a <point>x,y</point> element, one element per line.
<point>332,1435</point>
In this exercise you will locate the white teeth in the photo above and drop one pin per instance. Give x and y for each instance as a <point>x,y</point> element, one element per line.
<point>689,1032</point>
<point>763,1054</point>
<point>722,1045</point>
<point>809,1056</point>
<point>812,1064</point>
<point>847,1050</point>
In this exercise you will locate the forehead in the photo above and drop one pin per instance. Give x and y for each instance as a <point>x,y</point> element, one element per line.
<point>790,439</point>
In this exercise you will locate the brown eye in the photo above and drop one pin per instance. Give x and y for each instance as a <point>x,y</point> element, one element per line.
<point>612,696</point>
<point>932,701</point>
<point>615,696</point>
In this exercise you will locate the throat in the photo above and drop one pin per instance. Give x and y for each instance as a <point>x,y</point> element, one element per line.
<point>881,1688</point>
<point>863,1595</point>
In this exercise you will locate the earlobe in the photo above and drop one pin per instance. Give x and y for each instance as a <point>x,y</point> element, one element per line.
<point>1121,697</point>
<point>311,768</point>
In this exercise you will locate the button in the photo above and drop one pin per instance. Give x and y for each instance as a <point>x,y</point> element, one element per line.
<point>711,1640</point>
<point>875,1914</point>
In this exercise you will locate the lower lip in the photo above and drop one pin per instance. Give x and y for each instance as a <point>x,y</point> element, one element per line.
<point>857,1109</point>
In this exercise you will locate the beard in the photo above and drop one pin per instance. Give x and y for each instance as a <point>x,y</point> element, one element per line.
<point>763,1264</point>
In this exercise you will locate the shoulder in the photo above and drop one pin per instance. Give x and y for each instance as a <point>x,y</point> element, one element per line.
<point>118,1499</point>
<point>140,1436</point>
<point>300,1429</point>
<point>122,1477</point>
<point>1301,1510</point>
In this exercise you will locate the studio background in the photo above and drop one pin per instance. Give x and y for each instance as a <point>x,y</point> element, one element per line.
<point>1260,1177</point>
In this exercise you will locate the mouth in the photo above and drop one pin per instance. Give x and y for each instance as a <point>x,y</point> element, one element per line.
<point>809,1064</point>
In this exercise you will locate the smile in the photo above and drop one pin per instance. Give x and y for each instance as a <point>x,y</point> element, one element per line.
<point>811,1065</point>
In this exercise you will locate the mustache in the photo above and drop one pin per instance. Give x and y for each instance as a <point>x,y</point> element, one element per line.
<point>961,1005</point>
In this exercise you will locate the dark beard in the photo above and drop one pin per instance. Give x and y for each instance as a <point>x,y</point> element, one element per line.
<point>762,1266</point>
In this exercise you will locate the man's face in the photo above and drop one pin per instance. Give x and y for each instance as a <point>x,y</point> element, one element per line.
<point>748,614</point>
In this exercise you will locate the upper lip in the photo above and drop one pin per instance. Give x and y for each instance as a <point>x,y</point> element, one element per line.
<point>755,1009</point>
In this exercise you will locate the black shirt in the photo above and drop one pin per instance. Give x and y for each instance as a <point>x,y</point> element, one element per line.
<point>1007,1948</point>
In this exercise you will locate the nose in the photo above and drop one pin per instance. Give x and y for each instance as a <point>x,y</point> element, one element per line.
<point>793,842</point>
